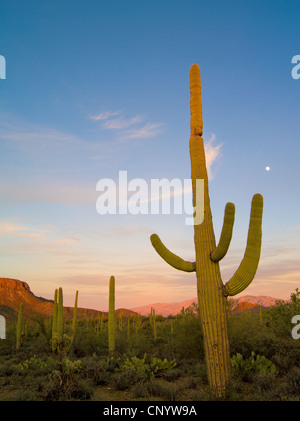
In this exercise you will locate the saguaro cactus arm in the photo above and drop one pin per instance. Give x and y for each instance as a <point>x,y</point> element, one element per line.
<point>247,269</point>
<point>226,234</point>
<point>171,258</point>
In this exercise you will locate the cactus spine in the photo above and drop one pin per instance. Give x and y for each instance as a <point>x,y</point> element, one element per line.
<point>19,328</point>
<point>212,293</point>
<point>111,316</point>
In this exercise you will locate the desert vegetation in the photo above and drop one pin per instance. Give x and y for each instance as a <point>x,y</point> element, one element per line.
<point>154,358</point>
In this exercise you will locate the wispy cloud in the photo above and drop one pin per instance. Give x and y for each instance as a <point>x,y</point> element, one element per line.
<point>11,229</point>
<point>212,153</point>
<point>105,115</point>
<point>121,123</point>
<point>24,134</point>
<point>139,129</point>
<point>148,130</point>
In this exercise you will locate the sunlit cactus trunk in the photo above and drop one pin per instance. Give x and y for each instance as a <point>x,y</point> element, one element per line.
<point>212,302</point>
<point>212,293</point>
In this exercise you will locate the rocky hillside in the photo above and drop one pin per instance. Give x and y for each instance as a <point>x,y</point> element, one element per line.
<point>246,306</point>
<point>13,292</point>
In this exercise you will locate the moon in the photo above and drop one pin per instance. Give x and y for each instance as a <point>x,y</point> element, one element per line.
<point>268,168</point>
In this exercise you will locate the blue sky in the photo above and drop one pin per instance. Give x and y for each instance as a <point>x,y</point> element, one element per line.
<point>93,88</point>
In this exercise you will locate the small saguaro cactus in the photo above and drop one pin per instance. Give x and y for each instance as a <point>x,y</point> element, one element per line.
<point>19,328</point>
<point>60,314</point>
<point>74,321</point>
<point>111,316</point>
<point>54,321</point>
<point>212,293</point>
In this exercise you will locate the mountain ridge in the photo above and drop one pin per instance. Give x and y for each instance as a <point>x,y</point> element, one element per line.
<point>171,309</point>
<point>14,291</point>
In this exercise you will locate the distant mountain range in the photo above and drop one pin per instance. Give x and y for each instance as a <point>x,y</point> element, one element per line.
<point>13,292</point>
<point>247,302</point>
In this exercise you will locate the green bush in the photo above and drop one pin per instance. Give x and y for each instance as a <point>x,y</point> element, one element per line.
<point>66,383</point>
<point>255,364</point>
<point>144,369</point>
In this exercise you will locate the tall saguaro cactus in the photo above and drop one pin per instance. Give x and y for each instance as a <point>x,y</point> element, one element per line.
<point>212,293</point>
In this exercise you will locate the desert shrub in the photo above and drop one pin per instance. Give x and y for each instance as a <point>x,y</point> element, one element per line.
<point>255,364</point>
<point>146,368</point>
<point>137,370</point>
<point>37,365</point>
<point>8,346</point>
<point>66,383</point>
<point>164,389</point>
<point>265,386</point>
<point>86,342</point>
<point>200,371</point>
<point>140,390</point>
<point>292,381</point>
<point>112,364</point>
<point>93,368</point>
<point>7,369</point>
<point>25,395</point>
<point>248,333</point>
<point>286,354</point>
<point>187,337</point>
<point>286,350</point>
<point>280,315</point>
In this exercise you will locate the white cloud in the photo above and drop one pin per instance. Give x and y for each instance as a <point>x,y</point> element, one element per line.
<point>105,115</point>
<point>121,124</point>
<point>10,229</point>
<point>148,130</point>
<point>212,153</point>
